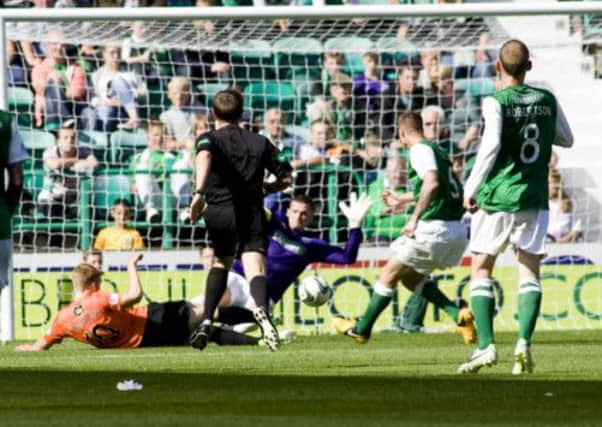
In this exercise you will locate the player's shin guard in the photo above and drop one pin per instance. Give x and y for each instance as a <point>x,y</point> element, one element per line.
<point>483,307</point>
<point>259,291</point>
<point>381,297</point>
<point>429,290</point>
<point>529,303</point>
<point>217,281</point>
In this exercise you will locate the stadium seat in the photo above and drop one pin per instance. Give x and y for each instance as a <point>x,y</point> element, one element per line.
<point>99,142</point>
<point>209,90</point>
<point>353,48</point>
<point>124,144</point>
<point>261,96</point>
<point>291,53</point>
<point>20,100</point>
<point>106,189</point>
<point>251,61</point>
<point>36,141</point>
<point>397,52</point>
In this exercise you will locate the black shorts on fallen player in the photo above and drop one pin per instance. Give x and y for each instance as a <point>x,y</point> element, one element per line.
<point>167,324</point>
<point>234,229</point>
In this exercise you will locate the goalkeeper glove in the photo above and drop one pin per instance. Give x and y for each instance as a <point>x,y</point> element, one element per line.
<point>356,210</point>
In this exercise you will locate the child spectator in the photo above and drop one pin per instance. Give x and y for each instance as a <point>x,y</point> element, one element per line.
<point>60,87</point>
<point>119,237</point>
<point>142,58</point>
<point>563,226</point>
<point>64,164</point>
<point>153,163</point>
<point>178,119</point>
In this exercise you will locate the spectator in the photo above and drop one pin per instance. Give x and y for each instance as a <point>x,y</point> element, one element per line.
<point>347,116</point>
<point>178,119</point>
<point>274,122</point>
<point>462,111</point>
<point>333,64</point>
<point>384,224</point>
<point>429,61</point>
<point>141,57</point>
<point>314,153</point>
<point>407,95</point>
<point>116,94</point>
<point>59,83</point>
<point>484,58</point>
<point>154,163</point>
<point>369,85</point>
<point>64,164</point>
<point>432,116</point>
<point>563,227</point>
<point>17,72</point>
<point>119,237</point>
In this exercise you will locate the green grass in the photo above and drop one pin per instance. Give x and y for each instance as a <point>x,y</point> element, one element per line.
<point>316,381</point>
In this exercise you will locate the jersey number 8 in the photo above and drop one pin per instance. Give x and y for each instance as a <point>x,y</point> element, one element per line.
<point>529,151</point>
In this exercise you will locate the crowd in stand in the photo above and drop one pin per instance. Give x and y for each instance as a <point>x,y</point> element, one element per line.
<point>346,127</point>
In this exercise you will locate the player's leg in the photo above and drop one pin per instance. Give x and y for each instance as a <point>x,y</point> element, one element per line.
<point>221,226</point>
<point>529,241</point>
<point>489,237</point>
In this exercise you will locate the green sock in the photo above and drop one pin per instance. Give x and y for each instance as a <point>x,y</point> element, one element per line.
<point>529,303</point>
<point>483,308</point>
<point>381,297</point>
<point>431,292</point>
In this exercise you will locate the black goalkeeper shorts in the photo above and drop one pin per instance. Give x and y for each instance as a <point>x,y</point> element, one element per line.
<point>167,324</point>
<point>235,229</point>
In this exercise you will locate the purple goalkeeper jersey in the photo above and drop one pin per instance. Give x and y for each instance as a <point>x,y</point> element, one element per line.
<point>289,253</point>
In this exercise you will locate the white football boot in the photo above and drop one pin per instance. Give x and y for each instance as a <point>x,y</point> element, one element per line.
<point>523,362</point>
<point>479,358</point>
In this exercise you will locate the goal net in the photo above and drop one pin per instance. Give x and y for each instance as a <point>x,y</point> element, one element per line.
<point>124,100</point>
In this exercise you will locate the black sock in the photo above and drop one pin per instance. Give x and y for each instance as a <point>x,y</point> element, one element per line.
<point>259,290</point>
<point>217,281</point>
<point>234,315</point>
<point>224,337</point>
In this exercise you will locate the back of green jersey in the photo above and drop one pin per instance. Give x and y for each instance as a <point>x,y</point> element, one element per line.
<point>447,205</point>
<point>519,178</point>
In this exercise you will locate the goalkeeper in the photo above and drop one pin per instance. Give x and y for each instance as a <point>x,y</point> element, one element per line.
<point>290,251</point>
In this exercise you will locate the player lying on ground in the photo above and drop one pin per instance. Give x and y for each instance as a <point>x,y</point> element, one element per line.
<point>107,320</point>
<point>508,183</point>
<point>290,251</point>
<point>434,236</point>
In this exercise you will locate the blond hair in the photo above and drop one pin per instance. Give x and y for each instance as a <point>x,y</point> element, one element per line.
<point>84,275</point>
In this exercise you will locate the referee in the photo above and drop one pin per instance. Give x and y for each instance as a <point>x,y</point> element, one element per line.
<point>230,168</point>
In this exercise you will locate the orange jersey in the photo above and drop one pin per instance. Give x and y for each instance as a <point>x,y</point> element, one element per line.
<point>97,318</point>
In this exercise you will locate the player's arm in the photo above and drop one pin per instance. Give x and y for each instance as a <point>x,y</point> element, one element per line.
<point>564,135</point>
<point>40,345</point>
<point>491,143</point>
<point>202,165</point>
<point>428,192</point>
<point>134,292</point>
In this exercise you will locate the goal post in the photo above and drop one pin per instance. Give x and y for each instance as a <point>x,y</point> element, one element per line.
<point>280,58</point>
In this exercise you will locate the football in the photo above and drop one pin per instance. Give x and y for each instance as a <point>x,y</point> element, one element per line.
<point>314,291</point>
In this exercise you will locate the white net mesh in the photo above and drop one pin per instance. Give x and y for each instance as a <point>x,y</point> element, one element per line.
<point>139,92</point>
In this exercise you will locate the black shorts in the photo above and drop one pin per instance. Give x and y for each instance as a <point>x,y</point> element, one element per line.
<point>167,324</point>
<point>234,229</point>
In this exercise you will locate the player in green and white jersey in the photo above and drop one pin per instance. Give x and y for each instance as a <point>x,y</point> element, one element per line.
<point>508,184</point>
<point>434,236</point>
<point>12,155</point>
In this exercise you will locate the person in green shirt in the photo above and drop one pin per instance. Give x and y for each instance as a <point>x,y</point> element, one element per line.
<point>12,156</point>
<point>508,193</point>
<point>433,238</point>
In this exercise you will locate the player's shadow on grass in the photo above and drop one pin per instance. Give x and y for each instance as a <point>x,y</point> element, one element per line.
<point>31,397</point>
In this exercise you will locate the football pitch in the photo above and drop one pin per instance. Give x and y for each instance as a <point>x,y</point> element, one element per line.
<point>315,381</point>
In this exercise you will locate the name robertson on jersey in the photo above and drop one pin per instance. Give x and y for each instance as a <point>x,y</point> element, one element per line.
<point>528,110</point>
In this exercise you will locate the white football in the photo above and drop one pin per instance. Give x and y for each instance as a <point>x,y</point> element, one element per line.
<point>314,291</point>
